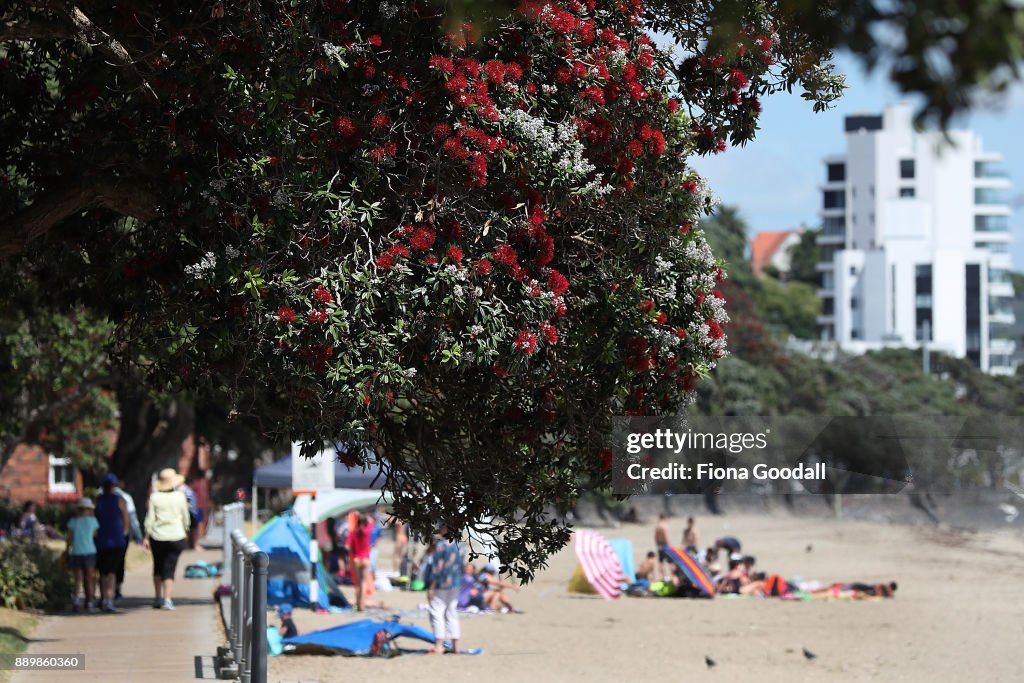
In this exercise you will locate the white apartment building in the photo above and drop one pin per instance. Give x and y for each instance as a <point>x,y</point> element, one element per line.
<point>916,237</point>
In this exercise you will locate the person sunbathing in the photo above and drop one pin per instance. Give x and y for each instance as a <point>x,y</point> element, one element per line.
<point>735,579</point>
<point>857,590</point>
<point>493,587</point>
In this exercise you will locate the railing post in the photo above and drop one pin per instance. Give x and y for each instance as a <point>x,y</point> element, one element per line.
<point>258,654</point>
<point>238,596</point>
<point>247,632</point>
<point>246,663</point>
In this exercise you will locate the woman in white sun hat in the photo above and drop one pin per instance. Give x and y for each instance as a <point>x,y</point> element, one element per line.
<point>166,529</point>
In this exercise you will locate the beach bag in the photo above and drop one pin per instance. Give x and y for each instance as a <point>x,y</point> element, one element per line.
<point>382,645</point>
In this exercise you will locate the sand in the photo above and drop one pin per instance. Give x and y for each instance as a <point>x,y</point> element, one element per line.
<point>958,616</point>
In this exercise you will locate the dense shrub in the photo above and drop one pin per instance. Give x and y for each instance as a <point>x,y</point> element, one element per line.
<point>32,576</point>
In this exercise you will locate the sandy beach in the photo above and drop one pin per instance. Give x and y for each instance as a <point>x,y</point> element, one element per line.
<point>958,616</point>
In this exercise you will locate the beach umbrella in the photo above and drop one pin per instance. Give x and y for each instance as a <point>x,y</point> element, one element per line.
<point>600,564</point>
<point>692,569</point>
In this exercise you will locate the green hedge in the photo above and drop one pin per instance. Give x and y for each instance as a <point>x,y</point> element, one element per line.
<point>32,576</point>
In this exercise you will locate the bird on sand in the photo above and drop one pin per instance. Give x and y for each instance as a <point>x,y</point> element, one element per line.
<point>808,654</point>
<point>710,662</point>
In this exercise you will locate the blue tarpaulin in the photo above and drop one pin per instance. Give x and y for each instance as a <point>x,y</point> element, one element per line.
<point>355,638</point>
<point>623,548</point>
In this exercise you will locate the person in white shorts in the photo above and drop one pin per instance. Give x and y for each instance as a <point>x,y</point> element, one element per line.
<point>442,574</point>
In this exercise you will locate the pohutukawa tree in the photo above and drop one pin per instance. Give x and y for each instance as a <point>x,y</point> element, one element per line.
<point>467,245</point>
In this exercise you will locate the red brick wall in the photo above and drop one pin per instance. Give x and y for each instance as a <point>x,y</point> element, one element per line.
<point>26,476</point>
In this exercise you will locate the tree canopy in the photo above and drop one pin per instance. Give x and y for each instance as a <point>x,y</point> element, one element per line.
<point>467,241</point>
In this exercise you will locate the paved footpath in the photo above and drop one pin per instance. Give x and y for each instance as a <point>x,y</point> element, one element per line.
<point>139,643</point>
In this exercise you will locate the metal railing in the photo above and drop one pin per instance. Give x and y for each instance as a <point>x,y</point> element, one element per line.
<point>232,518</point>
<point>244,657</point>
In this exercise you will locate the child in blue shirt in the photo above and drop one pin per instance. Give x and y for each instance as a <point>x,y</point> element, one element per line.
<point>81,550</point>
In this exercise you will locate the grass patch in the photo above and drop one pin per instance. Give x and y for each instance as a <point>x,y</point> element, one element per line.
<point>15,630</point>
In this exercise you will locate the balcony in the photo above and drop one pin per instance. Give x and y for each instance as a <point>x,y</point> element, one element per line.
<point>1001,347</point>
<point>1000,289</point>
<point>992,196</point>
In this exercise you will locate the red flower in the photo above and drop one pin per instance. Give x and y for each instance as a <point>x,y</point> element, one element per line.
<point>286,315</point>
<point>380,121</point>
<point>455,254</point>
<point>483,266</point>
<point>526,341</point>
<point>422,239</point>
<point>318,316</point>
<point>346,126</point>
<point>661,319</point>
<point>604,457</point>
<point>646,306</point>
<point>738,79</point>
<point>375,40</point>
<point>505,255</point>
<point>558,283</point>
<point>322,295</point>
<point>549,332</point>
<point>442,64</point>
<point>715,330</point>
<point>690,185</point>
<point>679,332</point>
<point>385,261</point>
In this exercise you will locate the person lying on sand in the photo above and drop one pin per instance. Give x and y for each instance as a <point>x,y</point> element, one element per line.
<point>857,590</point>
<point>734,579</point>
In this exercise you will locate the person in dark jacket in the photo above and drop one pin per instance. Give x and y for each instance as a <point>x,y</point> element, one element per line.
<point>112,515</point>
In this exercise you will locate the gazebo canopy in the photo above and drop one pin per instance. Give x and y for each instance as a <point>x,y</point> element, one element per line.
<point>278,475</point>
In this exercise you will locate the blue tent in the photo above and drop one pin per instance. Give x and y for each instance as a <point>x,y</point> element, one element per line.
<point>355,638</point>
<point>286,541</point>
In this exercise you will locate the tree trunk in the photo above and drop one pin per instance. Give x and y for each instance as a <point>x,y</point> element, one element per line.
<point>150,438</point>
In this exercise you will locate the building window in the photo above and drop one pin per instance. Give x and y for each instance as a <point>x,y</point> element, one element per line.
<point>834,225</point>
<point>853,270</point>
<point>62,475</point>
<point>836,172</point>
<point>991,223</point>
<point>907,169</point>
<point>835,199</point>
<point>828,306</point>
<point>994,247</point>
<point>853,303</point>
<point>972,301</point>
<point>923,301</point>
<point>906,192</point>
<point>990,195</point>
<point>987,169</point>
<point>854,333</point>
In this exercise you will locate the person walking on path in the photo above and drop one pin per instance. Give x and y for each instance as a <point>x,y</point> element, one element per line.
<point>81,552</point>
<point>132,535</point>
<point>166,529</point>
<point>443,576</point>
<point>112,515</point>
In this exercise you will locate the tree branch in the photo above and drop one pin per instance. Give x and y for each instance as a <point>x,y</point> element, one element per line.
<point>54,207</point>
<point>81,27</point>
